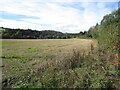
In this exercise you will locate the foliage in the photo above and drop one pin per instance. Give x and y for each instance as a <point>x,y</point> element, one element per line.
<point>107,32</point>
<point>108,35</point>
<point>33,34</point>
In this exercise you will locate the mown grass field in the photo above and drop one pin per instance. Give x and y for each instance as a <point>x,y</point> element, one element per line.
<point>52,63</point>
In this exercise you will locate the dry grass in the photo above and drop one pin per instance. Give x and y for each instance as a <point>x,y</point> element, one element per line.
<point>29,56</point>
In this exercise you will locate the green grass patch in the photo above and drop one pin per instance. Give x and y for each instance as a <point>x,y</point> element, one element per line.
<point>2,29</point>
<point>8,42</point>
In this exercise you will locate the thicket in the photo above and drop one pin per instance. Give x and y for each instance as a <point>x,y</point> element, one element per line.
<point>108,35</point>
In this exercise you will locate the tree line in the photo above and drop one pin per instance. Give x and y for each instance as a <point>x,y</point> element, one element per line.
<point>107,32</point>
<point>8,33</point>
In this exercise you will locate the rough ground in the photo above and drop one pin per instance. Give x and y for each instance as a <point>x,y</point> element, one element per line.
<point>25,56</point>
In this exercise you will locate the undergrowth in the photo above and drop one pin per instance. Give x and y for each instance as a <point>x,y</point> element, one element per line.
<point>76,71</point>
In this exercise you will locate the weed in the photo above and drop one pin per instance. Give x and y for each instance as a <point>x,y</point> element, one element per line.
<point>55,69</point>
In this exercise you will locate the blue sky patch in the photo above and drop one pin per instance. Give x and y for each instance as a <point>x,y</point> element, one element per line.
<point>112,5</point>
<point>17,17</point>
<point>76,5</point>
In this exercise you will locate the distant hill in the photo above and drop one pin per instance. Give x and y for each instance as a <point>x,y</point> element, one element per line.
<point>9,33</point>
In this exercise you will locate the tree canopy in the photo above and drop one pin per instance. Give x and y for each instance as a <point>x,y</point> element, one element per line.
<point>9,33</point>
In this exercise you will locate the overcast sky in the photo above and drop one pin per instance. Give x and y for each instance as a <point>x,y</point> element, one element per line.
<point>61,15</point>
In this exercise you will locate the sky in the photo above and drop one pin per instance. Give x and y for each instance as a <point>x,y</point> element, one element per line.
<point>71,16</point>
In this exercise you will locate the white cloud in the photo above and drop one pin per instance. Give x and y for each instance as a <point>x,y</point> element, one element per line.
<point>18,24</point>
<point>65,19</point>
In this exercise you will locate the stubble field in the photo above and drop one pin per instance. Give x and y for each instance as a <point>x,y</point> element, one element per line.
<point>26,62</point>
